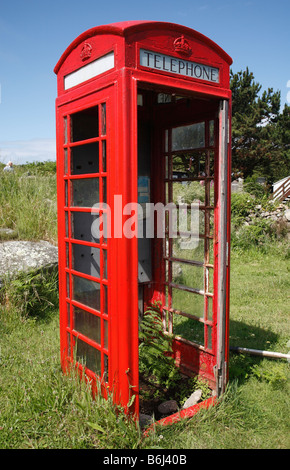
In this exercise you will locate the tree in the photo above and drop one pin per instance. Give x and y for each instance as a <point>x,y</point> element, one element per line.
<point>259,131</point>
<point>282,140</point>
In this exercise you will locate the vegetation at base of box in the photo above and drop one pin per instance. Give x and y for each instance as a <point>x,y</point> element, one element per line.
<point>155,350</point>
<point>162,379</point>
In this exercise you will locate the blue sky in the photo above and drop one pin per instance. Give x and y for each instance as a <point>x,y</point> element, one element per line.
<point>34,34</point>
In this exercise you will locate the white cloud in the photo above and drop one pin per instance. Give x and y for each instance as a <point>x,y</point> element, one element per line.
<point>22,151</point>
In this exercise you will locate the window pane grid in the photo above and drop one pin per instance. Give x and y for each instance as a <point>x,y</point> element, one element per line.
<point>85,183</point>
<point>188,300</point>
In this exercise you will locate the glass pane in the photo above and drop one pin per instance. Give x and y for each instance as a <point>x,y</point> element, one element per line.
<point>209,337</point>
<point>104,146</point>
<point>189,221</point>
<point>105,274</point>
<point>66,223</point>
<point>209,280</point>
<point>105,291</point>
<point>105,334</point>
<point>188,192</point>
<point>87,324</point>
<point>65,162</point>
<point>211,133</point>
<point>86,292</point>
<point>86,259</point>
<point>209,308</point>
<point>85,159</point>
<point>189,329</point>
<point>191,249</point>
<point>166,193</point>
<point>166,140</point>
<point>88,356</point>
<point>68,314</point>
<point>104,119</point>
<point>188,275</point>
<point>185,165</point>
<point>211,222</point>
<point>104,190</point>
<point>201,222</point>
<point>67,286</point>
<point>209,166</point>
<point>85,192</point>
<point>188,137</point>
<point>67,255</point>
<point>82,226</point>
<point>66,193</point>
<point>65,129</point>
<point>85,124</point>
<point>106,367</point>
<point>211,253</point>
<point>99,226</point>
<point>211,199</point>
<point>188,302</point>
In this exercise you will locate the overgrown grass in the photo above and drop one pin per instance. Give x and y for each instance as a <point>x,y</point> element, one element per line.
<point>42,408</point>
<point>23,194</point>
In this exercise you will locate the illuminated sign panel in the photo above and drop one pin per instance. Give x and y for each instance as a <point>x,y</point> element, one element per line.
<point>91,70</point>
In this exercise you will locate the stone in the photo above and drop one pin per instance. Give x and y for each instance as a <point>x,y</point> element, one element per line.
<point>7,233</point>
<point>144,420</point>
<point>287,214</point>
<point>168,407</point>
<point>17,256</point>
<point>193,399</point>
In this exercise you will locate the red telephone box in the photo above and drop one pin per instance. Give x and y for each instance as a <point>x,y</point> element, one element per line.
<point>143,117</point>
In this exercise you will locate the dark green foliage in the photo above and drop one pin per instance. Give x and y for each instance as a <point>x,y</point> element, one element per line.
<point>260,133</point>
<point>155,350</point>
<point>242,204</point>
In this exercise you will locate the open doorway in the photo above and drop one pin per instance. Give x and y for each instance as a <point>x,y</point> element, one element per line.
<point>177,170</point>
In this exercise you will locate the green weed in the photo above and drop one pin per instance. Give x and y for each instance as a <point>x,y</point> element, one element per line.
<point>28,205</point>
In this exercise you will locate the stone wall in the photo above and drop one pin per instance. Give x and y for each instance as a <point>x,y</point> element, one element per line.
<point>279,215</point>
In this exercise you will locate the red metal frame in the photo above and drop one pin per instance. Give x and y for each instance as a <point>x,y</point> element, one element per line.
<point>118,87</point>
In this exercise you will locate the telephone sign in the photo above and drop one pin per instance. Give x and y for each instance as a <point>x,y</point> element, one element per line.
<point>170,64</point>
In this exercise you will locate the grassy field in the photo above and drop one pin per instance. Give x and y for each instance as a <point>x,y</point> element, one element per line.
<point>29,189</point>
<point>41,408</point>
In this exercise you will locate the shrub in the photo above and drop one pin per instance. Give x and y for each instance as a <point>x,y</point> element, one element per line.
<point>258,234</point>
<point>242,204</point>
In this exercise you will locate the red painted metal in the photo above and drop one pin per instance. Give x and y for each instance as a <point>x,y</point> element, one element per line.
<point>118,87</point>
<point>186,413</point>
